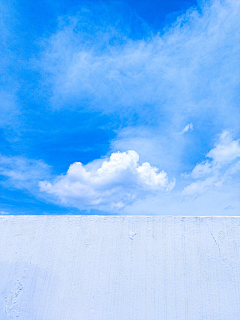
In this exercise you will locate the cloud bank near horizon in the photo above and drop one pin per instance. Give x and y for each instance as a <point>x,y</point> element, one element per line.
<point>111,185</point>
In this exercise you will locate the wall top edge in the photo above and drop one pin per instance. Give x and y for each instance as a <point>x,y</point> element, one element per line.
<point>115,216</point>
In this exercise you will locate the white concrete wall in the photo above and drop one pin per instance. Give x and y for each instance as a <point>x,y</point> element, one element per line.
<point>119,268</point>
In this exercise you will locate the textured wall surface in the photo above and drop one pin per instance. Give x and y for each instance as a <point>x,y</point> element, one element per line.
<point>119,268</point>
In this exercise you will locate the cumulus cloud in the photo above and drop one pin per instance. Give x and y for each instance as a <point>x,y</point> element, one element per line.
<point>107,185</point>
<point>223,163</point>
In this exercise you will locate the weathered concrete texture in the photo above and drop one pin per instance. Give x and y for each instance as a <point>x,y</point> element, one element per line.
<point>119,268</point>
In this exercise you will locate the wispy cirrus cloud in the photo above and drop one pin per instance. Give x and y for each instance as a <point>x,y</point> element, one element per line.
<point>224,163</point>
<point>22,173</point>
<point>107,185</point>
<point>189,70</point>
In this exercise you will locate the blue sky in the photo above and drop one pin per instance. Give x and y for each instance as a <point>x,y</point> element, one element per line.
<point>120,107</point>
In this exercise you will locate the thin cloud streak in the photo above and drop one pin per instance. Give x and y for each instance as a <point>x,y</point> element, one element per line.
<point>189,127</point>
<point>21,173</point>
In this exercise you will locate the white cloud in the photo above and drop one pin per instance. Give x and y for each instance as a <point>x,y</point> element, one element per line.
<point>187,128</point>
<point>22,173</point>
<point>213,201</point>
<point>163,149</point>
<point>4,212</point>
<point>226,150</point>
<point>199,187</point>
<point>107,185</point>
<point>201,169</point>
<point>222,166</point>
<point>189,71</point>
